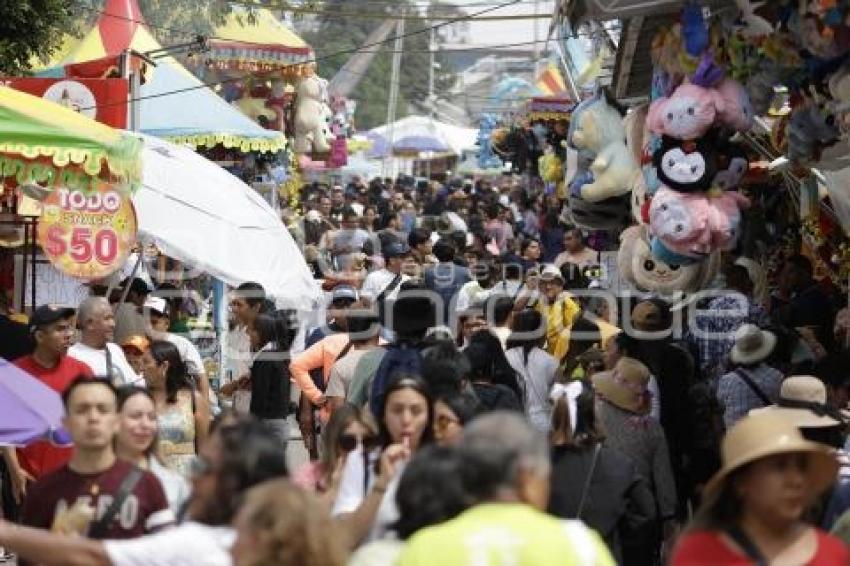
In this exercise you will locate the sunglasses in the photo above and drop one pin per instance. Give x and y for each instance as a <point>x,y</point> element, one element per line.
<point>444,421</point>
<point>200,467</point>
<point>348,442</point>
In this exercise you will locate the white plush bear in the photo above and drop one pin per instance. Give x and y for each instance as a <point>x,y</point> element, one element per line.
<point>598,129</point>
<point>311,117</point>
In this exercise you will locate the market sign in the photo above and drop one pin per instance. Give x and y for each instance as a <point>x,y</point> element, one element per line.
<point>87,235</point>
<point>104,100</point>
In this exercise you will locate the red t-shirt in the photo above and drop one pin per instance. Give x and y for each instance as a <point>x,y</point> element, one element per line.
<point>707,548</point>
<point>143,511</point>
<point>41,456</point>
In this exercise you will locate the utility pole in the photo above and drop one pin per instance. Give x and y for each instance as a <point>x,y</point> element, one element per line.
<point>394,84</point>
<point>432,100</point>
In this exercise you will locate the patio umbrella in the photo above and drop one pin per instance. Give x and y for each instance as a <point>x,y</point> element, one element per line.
<point>29,410</point>
<point>195,211</point>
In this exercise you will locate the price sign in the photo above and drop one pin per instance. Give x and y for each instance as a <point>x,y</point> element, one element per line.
<point>87,235</point>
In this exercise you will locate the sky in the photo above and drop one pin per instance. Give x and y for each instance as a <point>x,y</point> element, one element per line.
<point>495,32</point>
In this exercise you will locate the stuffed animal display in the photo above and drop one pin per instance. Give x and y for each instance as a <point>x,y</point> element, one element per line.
<point>639,266</point>
<point>687,114</point>
<point>597,129</point>
<point>686,166</point>
<point>696,225</point>
<point>312,116</point>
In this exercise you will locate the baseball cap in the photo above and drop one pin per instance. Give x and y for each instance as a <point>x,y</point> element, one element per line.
<point>48,314</point>
<point>396,249</point>
<point>157,304</point>
<point>137,342</point>
<point>551,272</point>
<point>343,293</point>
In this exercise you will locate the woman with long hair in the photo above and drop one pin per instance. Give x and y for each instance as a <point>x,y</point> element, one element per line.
<point>590,481</point>
<point>493,379</point>
<point>279,524</point>
<point>182,413</point>
<point>271,336</point>
<point>366,500</point>
<point>137,441</point>
<point>452,410</point>
<point>752,509</point>
<point>533,365</point>
<point>348,428</point>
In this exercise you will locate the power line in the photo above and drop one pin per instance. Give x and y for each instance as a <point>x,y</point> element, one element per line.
<point>314,60</point>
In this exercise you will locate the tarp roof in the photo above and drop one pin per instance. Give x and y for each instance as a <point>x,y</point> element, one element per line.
<point>194,114</point>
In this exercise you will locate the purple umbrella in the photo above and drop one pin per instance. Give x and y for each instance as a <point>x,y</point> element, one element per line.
<point>29,410</point>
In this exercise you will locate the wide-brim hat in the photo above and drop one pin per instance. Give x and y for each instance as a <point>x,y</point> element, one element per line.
<point>802,402</point>
<point>752,345</point>
<point>766,434</point>
<point>625,386</point>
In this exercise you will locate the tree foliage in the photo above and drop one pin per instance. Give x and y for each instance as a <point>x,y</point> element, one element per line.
<point>32,29</point>
<point>338,37</point>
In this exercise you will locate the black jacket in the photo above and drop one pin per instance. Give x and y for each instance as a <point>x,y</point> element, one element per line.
<point>619,504</point>
<point>270,386</point>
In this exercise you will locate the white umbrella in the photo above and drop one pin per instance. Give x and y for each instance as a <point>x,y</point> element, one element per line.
<point>198,213</point>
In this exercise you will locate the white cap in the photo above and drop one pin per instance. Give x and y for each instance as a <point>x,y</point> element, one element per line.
<point>156,304</point>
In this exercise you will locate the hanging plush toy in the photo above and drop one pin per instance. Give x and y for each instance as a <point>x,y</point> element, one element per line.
<point>598,129</point>
<point>637,265</point>
<point>810,128</point>
<point>686,166</point>
<point>312,131</point>
<point>696,225</point>
<point>737,111</point>
<point>688,114</point>
<point>732,166</point>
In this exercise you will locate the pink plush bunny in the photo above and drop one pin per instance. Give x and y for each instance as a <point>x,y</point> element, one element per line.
<point>696,224</point>
<point>687,114</point>
<point>737,111</point>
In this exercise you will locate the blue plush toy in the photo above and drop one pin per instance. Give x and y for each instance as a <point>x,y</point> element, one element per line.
<point>665,254</point>
<point>694,30</point>
<point>486,158</point>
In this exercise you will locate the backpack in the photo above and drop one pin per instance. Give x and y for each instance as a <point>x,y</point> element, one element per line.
<point>400,359</point>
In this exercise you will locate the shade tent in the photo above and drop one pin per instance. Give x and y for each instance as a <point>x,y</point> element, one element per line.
<point>198,213</point>
<point>415,134</point>
<point>191,112</point>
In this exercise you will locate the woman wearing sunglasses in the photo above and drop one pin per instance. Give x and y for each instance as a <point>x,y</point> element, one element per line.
<point>366,501</point>
<point>348,428</point>
<point>452,410</point>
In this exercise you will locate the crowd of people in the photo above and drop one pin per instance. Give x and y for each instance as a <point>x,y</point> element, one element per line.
<point>471,395</point>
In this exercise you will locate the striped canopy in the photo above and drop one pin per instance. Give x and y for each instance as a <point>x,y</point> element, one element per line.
<point>194,114</point>
<point>47,143</point>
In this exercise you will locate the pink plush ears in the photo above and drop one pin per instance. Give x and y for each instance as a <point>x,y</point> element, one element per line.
<point>707,97</point>
<point>655,116</point>
<point>737,110</point>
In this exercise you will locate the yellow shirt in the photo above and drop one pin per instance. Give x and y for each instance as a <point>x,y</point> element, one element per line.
<point>559,317</point>
<point>494,534</point>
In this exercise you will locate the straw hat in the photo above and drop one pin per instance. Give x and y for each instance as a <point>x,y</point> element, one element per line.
<point>752,345</point>
<point>802,402</point>
<point>767,434</point>
<point>625,386</point>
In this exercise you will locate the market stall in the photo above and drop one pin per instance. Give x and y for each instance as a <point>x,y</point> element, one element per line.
<point>67,182</point>
<point>191,112</point>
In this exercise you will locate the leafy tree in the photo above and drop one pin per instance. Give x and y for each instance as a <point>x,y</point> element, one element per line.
<point>32,29</point>
<point>339,36</point>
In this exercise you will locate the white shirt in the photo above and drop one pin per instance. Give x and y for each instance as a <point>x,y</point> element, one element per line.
<point>188,353</point>
<point>237,362</point>
<point>351,493</point>
<point>377,281</point>
<point>189,544</point>
<point>96,360</point>
<point>538,375</point>
<point>174,485</point>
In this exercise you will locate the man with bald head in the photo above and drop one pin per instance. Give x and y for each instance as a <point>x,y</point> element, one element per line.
<point>96,349</point>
